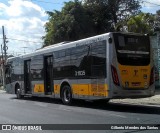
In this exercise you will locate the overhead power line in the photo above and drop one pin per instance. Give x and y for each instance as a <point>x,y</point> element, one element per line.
<point>47,2</point>
<point>143,1</point>
<point>150,6</point>
<point>62,3</point>
<point>22,40</point>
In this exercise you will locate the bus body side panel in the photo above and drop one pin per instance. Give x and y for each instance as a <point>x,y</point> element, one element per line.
<point>94,87</point>
<point>84,77</point>
<point>84,88</point>
<point>85,70</point>
<point>90,89</point>
<point>37,87</point>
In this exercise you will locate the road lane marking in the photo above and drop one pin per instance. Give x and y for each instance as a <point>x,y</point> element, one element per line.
<point>121,116</point>
<point>17,100</point>
<point>66,110</point>
<point>41,104</point>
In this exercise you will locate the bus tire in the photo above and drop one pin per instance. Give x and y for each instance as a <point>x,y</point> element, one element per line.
<point>18,93</point>
<point>66,95</point>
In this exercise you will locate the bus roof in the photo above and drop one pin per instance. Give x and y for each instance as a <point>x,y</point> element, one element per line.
<point>63,45</point>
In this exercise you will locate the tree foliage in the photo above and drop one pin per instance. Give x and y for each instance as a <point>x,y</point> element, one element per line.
<point>70,24</point>
<point>100,15</point>
<point>80,19</point>
<point>145,23</point>
<point>157,21</point>
<point>141,23</point>
<point>123,9</point>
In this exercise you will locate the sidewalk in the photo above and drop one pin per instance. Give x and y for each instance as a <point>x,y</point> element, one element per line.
<point>2,90</point>
<point>154,100</point>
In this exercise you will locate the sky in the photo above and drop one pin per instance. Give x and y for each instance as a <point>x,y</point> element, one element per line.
<point>24,20</point>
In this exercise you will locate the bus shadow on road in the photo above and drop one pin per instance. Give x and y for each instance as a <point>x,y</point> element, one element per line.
<point>120,107</point>
<point>110,106</point>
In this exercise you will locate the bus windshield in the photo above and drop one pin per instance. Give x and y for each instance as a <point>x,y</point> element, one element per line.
<point>132,49</point>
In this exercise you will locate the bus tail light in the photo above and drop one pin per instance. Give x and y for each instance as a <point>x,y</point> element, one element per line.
<point>115,75</point>
<point>152,76</point>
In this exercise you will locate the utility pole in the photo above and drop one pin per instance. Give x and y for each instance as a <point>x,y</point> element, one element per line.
<point>4,58</point>
<point>4,44</point>
<point>24,49</point>
<point>1,66</point>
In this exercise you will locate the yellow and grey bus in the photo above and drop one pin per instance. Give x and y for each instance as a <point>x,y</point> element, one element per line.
<point>107,66</point>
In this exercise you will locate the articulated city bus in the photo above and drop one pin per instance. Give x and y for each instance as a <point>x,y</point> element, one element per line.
<point>107,66</point>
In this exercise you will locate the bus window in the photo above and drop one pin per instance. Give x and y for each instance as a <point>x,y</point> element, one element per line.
<point>37,68</point>
<point>8,74</point>
<point>48,74</point>
<point>27,76</point>
<point>98,56</point>
<point>132,50</point>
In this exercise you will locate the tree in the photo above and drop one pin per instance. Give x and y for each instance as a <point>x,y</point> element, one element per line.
<point>117,9</point>
<point>145,23</point>
<point>79,20</point>
<point>142,23</point>
<point>72,23</point>
<point>157,21</point>
<point>100,15</point>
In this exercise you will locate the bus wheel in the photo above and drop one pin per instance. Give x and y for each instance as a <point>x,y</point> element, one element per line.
<point>66,95</point>
<point>18,93</point>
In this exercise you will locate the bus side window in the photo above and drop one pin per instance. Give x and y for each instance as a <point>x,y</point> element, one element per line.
<point>83,60</point>
<point>8,74</point>
<point>98,58</point>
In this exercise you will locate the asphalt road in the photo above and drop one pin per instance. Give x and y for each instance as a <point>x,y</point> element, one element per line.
<point>50,111</point>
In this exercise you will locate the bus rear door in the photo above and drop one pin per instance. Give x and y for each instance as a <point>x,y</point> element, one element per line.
<point>48,74</point>
<point>27,76</point>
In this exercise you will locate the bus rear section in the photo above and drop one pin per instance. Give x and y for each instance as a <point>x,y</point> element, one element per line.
<point>132,69</point>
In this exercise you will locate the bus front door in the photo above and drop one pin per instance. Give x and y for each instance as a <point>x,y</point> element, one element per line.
<point>27,76</point>
<point>48,75</point>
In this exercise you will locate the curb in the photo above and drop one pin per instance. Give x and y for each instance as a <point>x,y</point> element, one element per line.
<point>138,104</point>
<point>149,106</point>
<point>2,91</point>
<point>150,101</point>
